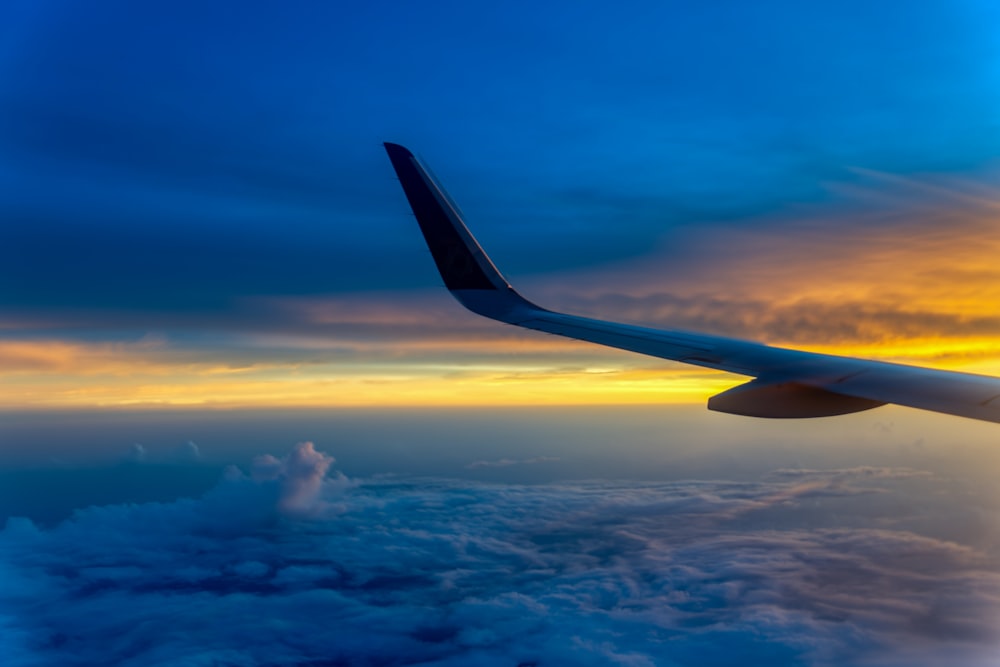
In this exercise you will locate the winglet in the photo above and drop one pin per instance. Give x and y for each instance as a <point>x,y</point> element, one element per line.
<point>466,270</point>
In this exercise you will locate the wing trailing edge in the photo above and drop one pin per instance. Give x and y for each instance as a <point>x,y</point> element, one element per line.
<point>789,383</point>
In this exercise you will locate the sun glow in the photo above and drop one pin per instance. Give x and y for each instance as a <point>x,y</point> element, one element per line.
<point>914,283</point>
<point>57,374</point>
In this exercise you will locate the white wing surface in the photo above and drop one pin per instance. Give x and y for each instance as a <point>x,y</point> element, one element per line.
<point>787,383</point>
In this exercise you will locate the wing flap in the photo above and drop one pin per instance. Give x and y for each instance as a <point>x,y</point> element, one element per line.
<point>786,400</point>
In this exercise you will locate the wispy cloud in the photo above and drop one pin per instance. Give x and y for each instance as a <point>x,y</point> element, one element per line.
<point>506,463</point>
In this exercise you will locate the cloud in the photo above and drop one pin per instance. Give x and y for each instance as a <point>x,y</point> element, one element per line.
<point>807,320</point>
<point>857,472</point>
<point>889,259</point>
<point>187,451</point>
<point>300,476</point>
<point>506,463</point>
<point>289,564</point>
<point>887,267</point>
<point>136,453</point>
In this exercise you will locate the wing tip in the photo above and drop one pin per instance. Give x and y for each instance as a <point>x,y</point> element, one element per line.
<point>396,150</point>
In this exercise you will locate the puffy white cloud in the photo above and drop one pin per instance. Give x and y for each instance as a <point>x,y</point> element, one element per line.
<point>299,476</point>
<point>293,565</point>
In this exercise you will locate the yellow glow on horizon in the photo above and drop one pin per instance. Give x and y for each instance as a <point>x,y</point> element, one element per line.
<point>122,384</point>
<point>57,375</point>
<point>918,287</point>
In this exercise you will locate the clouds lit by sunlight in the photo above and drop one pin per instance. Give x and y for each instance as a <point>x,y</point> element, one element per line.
<point>819,567</point>
<point>904,271</point>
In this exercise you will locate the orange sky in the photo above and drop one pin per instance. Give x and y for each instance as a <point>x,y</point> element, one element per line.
<point>913,277</point>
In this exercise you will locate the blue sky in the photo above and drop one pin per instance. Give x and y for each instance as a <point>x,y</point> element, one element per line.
<point>166,157</point>
<point>205,259</point>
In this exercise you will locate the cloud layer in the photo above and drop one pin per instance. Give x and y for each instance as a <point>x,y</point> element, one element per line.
<point>289,565</point>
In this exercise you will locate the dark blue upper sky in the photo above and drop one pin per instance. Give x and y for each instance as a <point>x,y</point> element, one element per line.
<point>174,156</point>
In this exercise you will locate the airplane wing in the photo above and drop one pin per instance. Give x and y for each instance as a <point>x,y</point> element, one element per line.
<point>787,383</point>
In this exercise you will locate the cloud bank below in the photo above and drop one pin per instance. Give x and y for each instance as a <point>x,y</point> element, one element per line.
<point>291,564</point>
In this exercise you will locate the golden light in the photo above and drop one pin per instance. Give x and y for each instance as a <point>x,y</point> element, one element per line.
<point>913,284</point>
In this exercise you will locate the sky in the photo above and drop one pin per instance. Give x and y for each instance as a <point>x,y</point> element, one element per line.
<point>198,210</point>
<point>206,262</point>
